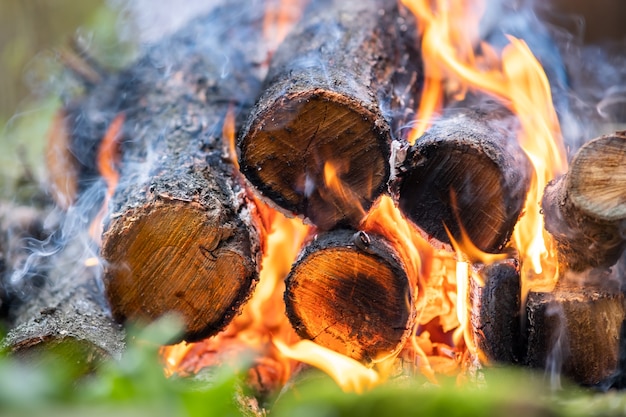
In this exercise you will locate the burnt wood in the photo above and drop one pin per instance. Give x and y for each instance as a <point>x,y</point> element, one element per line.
<point>181,236</point>
<point>332,90</point>
<point>65,309</point>
<point>495,309</point>
<point>574,330</point>
<point>585,209</point>
<point>466,171</point>
<point>348,291</point>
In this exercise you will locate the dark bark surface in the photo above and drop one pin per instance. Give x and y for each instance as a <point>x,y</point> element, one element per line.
<point>67,309</point>
<point>333,88</point>
<point>467,170</point>
<point>348,291</point>
<point>495,312</point>
<point>575,330</point>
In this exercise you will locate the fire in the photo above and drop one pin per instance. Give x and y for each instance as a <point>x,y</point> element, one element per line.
<point>107,158</point>
<point>442,337</point>
<point>263,318</point>
<point>349,374</point>
<point>279,17</point>
<point>449,38</point>
<point>433,272</point>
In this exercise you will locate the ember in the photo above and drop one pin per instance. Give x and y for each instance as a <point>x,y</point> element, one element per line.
<point>360,186</point>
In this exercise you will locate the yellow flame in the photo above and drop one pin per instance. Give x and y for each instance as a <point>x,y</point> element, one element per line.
<point>349,374</point>
<point>516,79</point>
<point>466,249</point>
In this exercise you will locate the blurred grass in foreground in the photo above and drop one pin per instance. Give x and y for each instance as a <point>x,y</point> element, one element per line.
<point>136,386</point>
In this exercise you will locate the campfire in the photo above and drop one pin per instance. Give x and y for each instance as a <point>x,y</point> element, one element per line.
<point>379,190</point>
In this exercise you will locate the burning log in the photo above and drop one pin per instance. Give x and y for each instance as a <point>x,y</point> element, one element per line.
<point>585,210</point>
<point>575,330</point>
<point>66,310</point>
<point>495,311</point>
<point>466,172</point>
<point>181,236</point>
<point>349,292</point>
<point>322,109</point>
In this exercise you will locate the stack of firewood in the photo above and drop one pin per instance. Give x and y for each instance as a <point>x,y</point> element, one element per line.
<point>315,132</point>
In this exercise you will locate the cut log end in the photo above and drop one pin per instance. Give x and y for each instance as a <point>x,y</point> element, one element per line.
<point>576,329</point>
<point>176,258</point>
<point>353,301</point>
<point>585,209</point>
<point>286,151</point>
<point>597,178</point>
<point>468,170</point>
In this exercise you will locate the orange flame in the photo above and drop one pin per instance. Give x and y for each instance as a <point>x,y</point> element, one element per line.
<point>280,16</point>
<point>228,134</point>
<point>107,159</point>
<point>349,374</point>
<point>517,79</point>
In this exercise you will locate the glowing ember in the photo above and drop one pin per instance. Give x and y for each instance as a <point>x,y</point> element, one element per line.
<point>107,158</point>
<point>517,79</point>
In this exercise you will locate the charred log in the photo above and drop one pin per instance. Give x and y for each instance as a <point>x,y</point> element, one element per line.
<point>67,310</point>
<point>585,210</point>
<point>329,86</point>
<point>495,312</point>
<point>575,330</point>
<point>466,172</point>
<point>349,292</point>
<point>181,235</point>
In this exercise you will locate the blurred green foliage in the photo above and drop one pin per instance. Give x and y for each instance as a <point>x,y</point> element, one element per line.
<point>33,80</point>
<point>136,386</point>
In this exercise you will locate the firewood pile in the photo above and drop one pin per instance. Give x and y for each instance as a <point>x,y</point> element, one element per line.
<point>210,121</point>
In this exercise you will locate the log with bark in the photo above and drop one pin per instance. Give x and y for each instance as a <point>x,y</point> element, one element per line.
<point>348,291</point>
<point>181,234</point>
<point>467,171</point>
<point>495,309</point>
<point>575,330</point>
<point>64,309</point>
<point>332,89</point>
<point>19,224</point>
<point>585,209</point>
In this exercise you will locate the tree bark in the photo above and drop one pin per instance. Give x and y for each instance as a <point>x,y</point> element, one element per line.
<point>585,210</point>
<point>575,330</point>
<point>348,291</point>
<point>65,309</point>
<point>332,89</point>
<point>181,234</point>
<point>466,171</point>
